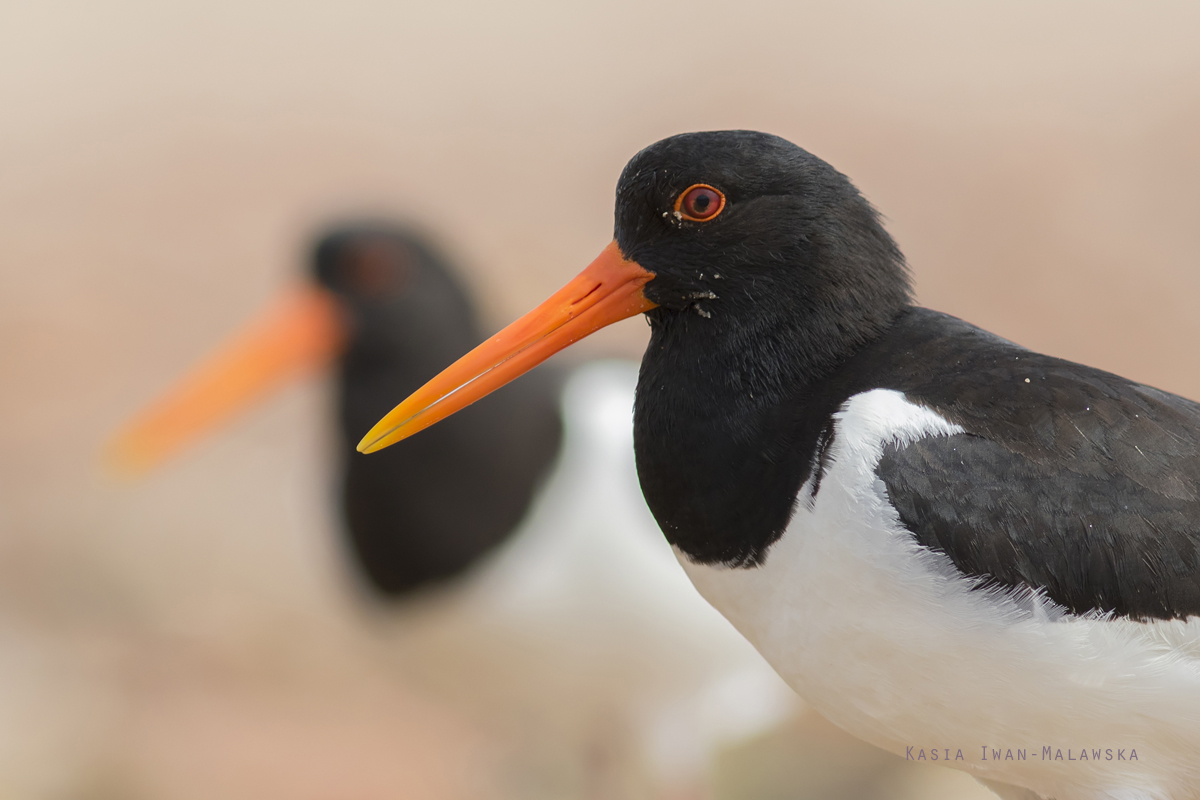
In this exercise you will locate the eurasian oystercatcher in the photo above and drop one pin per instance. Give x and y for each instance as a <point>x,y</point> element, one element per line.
<point>939,538</point>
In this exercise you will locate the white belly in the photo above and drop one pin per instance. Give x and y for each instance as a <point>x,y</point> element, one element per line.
<point>888,641</point>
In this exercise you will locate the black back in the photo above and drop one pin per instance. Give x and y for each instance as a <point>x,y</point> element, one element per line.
<point>1066,479</point>
<point>425,512</point>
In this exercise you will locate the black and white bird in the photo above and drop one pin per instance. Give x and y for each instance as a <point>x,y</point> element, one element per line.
<point>519,562</point>
<point>940,539</point>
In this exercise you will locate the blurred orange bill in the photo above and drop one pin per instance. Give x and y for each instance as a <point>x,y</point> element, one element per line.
<point>296,335</point>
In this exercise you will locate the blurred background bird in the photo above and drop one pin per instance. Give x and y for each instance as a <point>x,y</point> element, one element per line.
<point>522,573</point>
<point>379,299</point>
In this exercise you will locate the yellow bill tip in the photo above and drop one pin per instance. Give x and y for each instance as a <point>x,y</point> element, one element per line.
<point>377,439</point>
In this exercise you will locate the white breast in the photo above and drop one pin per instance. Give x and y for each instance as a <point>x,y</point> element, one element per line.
<point>888,640</point>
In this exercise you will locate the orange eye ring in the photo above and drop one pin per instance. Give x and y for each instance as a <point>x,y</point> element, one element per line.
<point>700,203</point>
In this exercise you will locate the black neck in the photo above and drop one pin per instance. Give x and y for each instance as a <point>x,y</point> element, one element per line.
<point>728,428</point>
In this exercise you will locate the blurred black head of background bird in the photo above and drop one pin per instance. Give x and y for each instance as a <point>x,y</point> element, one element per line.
<point>424,513</point>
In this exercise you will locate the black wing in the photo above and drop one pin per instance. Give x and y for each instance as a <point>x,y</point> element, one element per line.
<point>1067,479</point>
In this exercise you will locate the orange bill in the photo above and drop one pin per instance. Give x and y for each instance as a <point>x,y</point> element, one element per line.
<point>296,335</point>
<point>609,290</point>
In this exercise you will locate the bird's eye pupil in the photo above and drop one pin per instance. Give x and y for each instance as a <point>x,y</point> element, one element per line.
<point>700,203</point>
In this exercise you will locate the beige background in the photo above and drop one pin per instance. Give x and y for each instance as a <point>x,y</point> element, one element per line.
<point>162,167</point>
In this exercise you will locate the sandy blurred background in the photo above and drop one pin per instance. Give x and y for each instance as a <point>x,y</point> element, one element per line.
<point>162,168</point>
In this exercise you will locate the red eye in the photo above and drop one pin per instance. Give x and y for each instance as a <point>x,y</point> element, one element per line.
<point>700,203</point>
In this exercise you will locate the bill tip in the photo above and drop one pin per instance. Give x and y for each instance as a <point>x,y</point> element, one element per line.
<point>125,461</point>
<point>372,442</point>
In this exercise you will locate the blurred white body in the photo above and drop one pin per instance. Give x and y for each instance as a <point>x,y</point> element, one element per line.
<point>888,641</point>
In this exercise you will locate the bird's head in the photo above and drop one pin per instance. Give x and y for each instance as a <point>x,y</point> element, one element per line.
<point>748,226</point>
